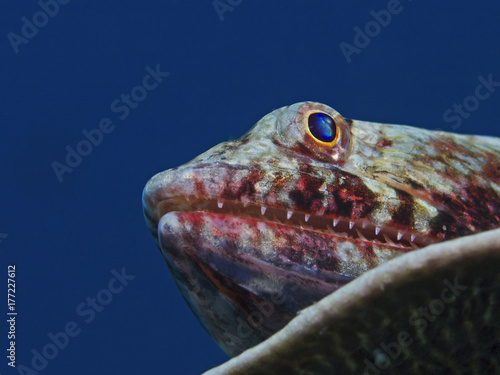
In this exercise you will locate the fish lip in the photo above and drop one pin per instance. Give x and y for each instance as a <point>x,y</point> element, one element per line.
<point>350,230</point>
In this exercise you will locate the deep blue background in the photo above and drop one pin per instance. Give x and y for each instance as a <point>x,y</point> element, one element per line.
<point>66,237</point>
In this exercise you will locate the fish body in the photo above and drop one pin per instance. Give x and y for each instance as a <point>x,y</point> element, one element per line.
<point>256,229</point>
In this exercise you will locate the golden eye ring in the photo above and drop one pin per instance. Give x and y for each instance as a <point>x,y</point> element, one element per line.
<point>323,129</point>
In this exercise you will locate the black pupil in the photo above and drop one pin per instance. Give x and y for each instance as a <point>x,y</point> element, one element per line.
<point>322,126</point>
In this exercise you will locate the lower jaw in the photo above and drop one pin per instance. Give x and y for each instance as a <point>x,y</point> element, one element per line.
<point>245,279</point>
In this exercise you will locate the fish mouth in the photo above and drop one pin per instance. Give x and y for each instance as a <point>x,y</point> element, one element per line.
<point>242,286</point>
<point>231,257</point>
<point>362,230</point>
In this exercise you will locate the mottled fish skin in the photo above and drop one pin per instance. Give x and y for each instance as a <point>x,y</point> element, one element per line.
<point>258,228</point>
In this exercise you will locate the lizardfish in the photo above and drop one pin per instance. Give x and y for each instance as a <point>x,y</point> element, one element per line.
<point>258,228</point>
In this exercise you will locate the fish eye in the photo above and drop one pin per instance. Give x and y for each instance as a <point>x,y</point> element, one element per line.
<point>322,127</point>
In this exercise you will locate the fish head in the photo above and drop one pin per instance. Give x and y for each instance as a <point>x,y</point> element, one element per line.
<point>258,228</point>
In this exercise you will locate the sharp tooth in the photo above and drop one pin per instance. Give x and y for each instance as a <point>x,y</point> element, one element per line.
<point>351,224</point>
<point>364,224</point>
<point>400,235</point>
<point>387,239</point>
<point>220,203</point>
<point>306,217</point>
<point>360,235</point>
<point>289,214</point>
<point>263,210</point>
<point>335,222</point>
<point>377,230</point>
<point>322,187</point>
<point>413,236</point>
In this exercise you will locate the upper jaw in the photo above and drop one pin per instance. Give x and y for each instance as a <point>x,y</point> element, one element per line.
<point>221,189</point>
